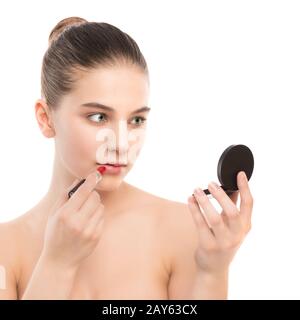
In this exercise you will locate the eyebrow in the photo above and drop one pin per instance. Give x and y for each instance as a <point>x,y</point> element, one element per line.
<point>102,106</point>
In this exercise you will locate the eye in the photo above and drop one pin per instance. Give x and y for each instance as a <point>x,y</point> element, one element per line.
<point>142,120</point>
<point>102,117</point>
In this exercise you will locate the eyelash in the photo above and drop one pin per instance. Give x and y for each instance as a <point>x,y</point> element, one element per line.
<point>143,119</point>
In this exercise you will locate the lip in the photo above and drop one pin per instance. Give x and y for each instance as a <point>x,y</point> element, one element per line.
<point>112,168</point>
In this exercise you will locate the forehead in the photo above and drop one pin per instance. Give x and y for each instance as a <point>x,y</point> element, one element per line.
<point>118,86</point>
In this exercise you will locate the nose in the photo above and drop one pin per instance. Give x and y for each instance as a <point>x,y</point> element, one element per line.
<point>121,146</point>
<point>121,132</point>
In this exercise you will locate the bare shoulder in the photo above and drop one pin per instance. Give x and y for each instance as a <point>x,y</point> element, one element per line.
<point>15,228</point>
<point>15,241</point>
<point>9,259</point>
<point>8,235</point>
<point>174,215</point>
<point>179,240</point>
<point>11,235</point>
<point>175,219</point>
<point>180,229</point>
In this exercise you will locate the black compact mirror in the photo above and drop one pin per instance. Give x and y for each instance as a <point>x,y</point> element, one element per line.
<point>234,159</point>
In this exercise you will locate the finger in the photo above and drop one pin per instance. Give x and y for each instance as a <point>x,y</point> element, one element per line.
<point>63,197</point>
<point>202,214</point>
<point>234,196</point>
<point>246,204</point>
<point>229,208</point>
<point>95,221</point>
<point>99,227</point>
<point>82,193</point>
<point>211,213</point>
<point>205,233</point>
<point>89,207</point>
<point>225,202</point>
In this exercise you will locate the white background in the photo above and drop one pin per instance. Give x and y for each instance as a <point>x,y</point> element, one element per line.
<point>221,72</point>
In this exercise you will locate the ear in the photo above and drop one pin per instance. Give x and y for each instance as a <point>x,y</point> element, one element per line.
<point>44,118</point>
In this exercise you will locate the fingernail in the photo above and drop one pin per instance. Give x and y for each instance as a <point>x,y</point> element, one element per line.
<point>199,192</point>
<point>98,176</point>
<point>244,176</point>
<point>214,186</point>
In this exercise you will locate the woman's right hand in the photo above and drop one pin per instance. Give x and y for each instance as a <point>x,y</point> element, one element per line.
<point>74,226</point>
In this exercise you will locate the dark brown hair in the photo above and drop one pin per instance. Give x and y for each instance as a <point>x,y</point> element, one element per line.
<point>78,45</point>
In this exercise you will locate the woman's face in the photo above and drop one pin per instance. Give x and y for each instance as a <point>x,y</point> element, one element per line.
<point>87,133</point>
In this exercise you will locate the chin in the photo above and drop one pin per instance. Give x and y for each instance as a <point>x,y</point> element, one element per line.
<point>109,184</point>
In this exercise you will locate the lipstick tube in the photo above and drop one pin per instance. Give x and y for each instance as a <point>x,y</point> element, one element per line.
<point>73,190</point>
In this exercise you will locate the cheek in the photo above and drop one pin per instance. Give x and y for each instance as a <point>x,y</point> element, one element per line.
<point>77,146</point>
<point>135,148</point>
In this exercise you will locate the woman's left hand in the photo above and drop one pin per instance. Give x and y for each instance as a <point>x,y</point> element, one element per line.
<point>218,245</point>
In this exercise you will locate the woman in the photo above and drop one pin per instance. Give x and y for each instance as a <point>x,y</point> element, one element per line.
<point>111,240</point>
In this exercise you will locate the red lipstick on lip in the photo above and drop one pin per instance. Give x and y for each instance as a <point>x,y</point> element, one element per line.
<point>101,169</point>
<point>113,168</point>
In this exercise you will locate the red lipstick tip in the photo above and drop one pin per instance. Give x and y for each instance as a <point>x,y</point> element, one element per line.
<point>101,169</point>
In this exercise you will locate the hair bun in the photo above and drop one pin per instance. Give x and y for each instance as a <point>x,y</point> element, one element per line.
<point>62,25</point>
